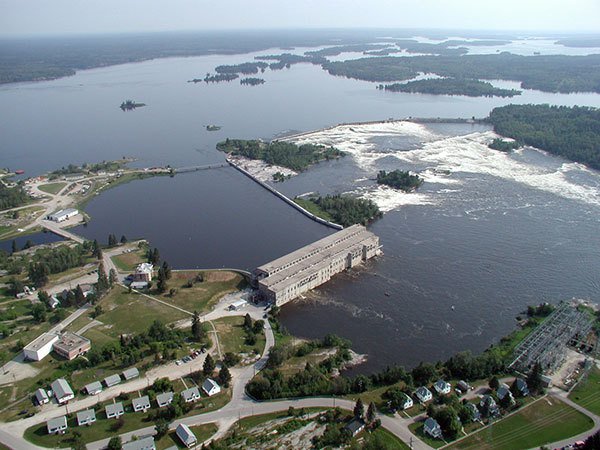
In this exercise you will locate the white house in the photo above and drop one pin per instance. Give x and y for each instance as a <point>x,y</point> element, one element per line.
<point>62,391</point>
<point>86,417</point>
<point>210,387</point>
<point>112,380</point>
<point>114,411</point>
<point>53,302</point>
<point>62,215</point>
<point>442,387</point>
<point>432,428</point>
<point>95,387</point>
<point>40,347</point>
<point>164,399</point>
<point>141,404</point>
<point>406,403</point>
<point>191,395</point>
<point>56,426</point>
<point>143,272</point>
<point>41,397</point>
<point>146,443</point>
<point>185,435</point>
<point>131,373</point>
<point>423,394</point>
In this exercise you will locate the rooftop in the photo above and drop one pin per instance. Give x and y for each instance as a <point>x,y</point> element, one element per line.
<point>114,408</point>
<point>141,444</point>
<point>93,386</point>
<point>41,341</point>
<point>190,393</point>
<point>70,341</point>
<point>131,373</point>
<point>61,388</point>
<point>88,414</point>
<point>111,380</point>
<point>57,422</point>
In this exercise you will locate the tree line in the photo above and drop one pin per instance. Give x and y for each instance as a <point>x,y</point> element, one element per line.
<point>399,179</point>
<point>451,86</point>
<point>347,210</point>
<point>12,197</point>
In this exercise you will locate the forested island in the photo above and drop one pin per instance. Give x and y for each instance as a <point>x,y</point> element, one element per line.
<point>243,68</point>
<point>217,78</point>
<point>573,133</point>
<point>12,197</point>
<point>342,209</point>
<point>129,105</point>
<point>551,73</point>
<point>399,179</point>
<point>503,145</point>
<point>451,86</point>
<point>252,81</point>
<point>280,153</point>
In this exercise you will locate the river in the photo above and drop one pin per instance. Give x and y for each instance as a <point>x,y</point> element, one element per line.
<point>487,234</point>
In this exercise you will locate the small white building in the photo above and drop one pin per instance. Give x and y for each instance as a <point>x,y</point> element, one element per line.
<point>53,302</point>
<point>423,394</point>
<point>41,397</point>
<point>211,387</point>
<point>185,435</point>
<point>114,411</point>
<point>57,426</point>
<point>112,380</point>
<point>442,387</point>
<point>139,285</point>
<point>143,272</point>
<point>131,373</point>
<point>141,404</point>
<point>146,443</point>
<point>191,395</point>
<point>62,215</point>
<point>86,417</point>
<point>432,428</point>
<point>95,387</point>
<point>406,403</point>
<point>164,399</point>
<point>40,347</point>
<point>62,391</point>
<point>237,305</point>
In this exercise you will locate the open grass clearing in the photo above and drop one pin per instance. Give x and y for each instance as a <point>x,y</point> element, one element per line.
<point>389,439</point>
<point>202,296</point>
<point>587,391</point>
<point>298,363</point>
<point>544,421</point>
<point>127,262</point>
<point>202,433</point>
<point>417,429</point>
<point>232,336</point>
<point>52,188</point>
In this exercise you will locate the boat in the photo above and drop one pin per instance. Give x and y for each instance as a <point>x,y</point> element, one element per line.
<point>19,172</point>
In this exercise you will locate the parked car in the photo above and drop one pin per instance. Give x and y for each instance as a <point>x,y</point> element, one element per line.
<point>179,362</point>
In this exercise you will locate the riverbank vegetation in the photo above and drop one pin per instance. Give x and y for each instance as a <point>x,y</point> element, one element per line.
<point>252,81</point>
<point>503,145</point>
<point>451,86</point>
<point>12,197</point>
<point>399,179</point>
<point>342,209</point>
<point>285,154</point>
<point>553,73</point>
<point>573,133</point>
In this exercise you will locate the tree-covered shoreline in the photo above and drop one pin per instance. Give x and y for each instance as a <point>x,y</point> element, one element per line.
<point>285,154</point>
<point>345,210</point>
<point>399,179</point>
<point>451,86</point>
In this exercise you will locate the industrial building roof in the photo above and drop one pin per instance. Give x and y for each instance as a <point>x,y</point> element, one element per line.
<point>70,341</point>
<point>41,341</point>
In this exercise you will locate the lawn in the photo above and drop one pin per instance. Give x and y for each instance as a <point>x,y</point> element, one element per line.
<point>202,432</point>
<point>232,336</point>
<point>126,262</point>
<point>119,317</point>
<point>375,396</point>
<point>587,391</point>
<point>313,208</point>
<point>203,295</point>
<point>544,421</point>
<point>389,439</point>
<point>417,429</point>
<point>52,188</point>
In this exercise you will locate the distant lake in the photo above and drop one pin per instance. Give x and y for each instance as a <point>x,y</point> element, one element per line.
<point>490,239</point>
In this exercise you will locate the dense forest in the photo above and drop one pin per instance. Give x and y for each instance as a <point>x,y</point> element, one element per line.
<point>12,197</point>
<point>503,145</point>
<point>552,73</point>
<point>250,81</point>
<point>573,133</point>
<point>243,68</point>
<point>279,153</point>
<point>452,86</point>
<point>399,179</point>
<point>343,209</point>
<point>46,261</point>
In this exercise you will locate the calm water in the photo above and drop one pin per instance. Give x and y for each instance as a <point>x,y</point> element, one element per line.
<point>491,239</point>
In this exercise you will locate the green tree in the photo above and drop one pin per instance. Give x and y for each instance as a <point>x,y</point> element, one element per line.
<point>14,248</point>
<point>38,312</point>
<point>494,383</point>
<point>102,286</point>
<point>167,270</point>
<point>197,328</point>
<point>371,413</point>
<point>161,284</point>
<point>359,408</point>
<point>115,443</point>
<point>162,428</point>
<point>123,239</point>
<point>224,375</point>
<point>534,379</point>
<point>209,365</point>
<point>79,296</point>
<point>112,277</point>
<point>43,297</point>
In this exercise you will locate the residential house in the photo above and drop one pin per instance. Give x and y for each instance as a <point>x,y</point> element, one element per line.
<point>423,394</point>
<point>442,387</point>
<point>185,435</point>
<point>57,426</point>
<point>164,399</point>
<point>141,404</point>
<point>475,414</point>
<point>62,391</point>
<point>146,443</point>
<point>143,272</point>
<point>504,391</point>
<point>95,387</point>
<point>112,380</point>
<point>522,387</point>
<point>131,373</point>
<point>406,403</point>
<point>53,302</point>
<point>432,428</point>
<point>114,411</point>
<point>86,417</point>
<point>488,406</point>
<point>41,398</point>
<point>210,387</point>
<point>463,386</point>
<point>355,426</point>
<point>191,395</point>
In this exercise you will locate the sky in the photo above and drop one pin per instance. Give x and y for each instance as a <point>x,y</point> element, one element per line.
<point>26,17</point>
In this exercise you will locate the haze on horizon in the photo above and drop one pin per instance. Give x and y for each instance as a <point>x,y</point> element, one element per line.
<point>42,17</point>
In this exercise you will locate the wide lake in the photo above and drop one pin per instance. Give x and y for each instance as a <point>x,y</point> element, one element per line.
<point>486,235</point>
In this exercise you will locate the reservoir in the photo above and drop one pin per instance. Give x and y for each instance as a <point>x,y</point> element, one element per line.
<point>487,234</point>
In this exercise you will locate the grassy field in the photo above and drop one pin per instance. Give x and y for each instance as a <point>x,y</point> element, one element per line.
<point>126,262</point>
<point>52,188</point>
<point>417,429</point>
<point>312,207</point>
<point>547,420</point>
<point>118,319</point>
<point>587,392</point>
<point>389,439</point>
<point>232,336</point>
<point>375,396</point>
<point>202,432</point>
<point>203,295</point>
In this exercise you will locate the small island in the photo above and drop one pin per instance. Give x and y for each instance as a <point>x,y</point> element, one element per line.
<point>213,127</point>
<point>451,86</point>
<point>129,105</point>
<point>252,81</point>
<point>216,78</point>
<point>399,179</point>
<point>280,153</point>
<point>503,146</point>
<point>344,209</point>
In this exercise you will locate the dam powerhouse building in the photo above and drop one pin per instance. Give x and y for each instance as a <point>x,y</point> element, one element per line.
<point>286,278</point>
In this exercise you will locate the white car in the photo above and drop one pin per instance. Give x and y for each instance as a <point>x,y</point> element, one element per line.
<point>179,362</point>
